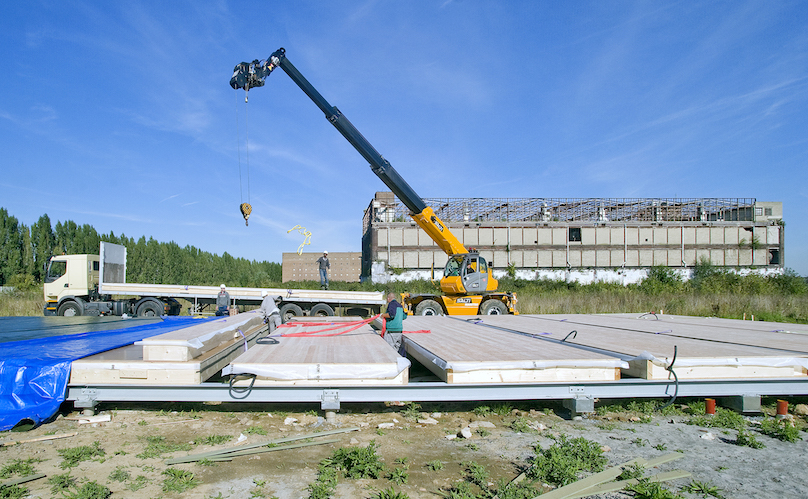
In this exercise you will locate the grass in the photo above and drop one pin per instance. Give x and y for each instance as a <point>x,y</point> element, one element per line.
<point>781,429</point>
<point>157,446</point>
<point>89,490</point>
<point>746,439</point>
<point>18,467</point>
<point>704,489</point>
<point>565,460</point>
<point>179,480</point>
<point>645,489</point>
<point>723,418</point>
<point>213,440</point>
<point>72,456</point>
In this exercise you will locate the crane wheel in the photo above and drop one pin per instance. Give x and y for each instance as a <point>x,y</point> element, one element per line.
<point>428,307</point>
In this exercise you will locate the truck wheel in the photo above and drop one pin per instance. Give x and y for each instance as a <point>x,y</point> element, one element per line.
<point>428,307</point>
<point>69,309</point>
<point>290,310</point>
<point>150,309</point>
<point>494,307</point>
<point>321,310</point>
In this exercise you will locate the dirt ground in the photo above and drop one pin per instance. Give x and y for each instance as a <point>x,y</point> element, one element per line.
<point>710,454</point>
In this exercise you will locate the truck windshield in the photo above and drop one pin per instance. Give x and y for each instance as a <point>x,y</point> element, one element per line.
<point>56,269</point>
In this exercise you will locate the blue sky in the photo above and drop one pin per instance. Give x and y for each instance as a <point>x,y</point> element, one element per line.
<point>119,114</point>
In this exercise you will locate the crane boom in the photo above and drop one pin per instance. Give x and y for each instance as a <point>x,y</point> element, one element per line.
<point>251,75</point>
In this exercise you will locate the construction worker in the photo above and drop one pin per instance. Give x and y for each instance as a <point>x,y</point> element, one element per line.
<point>324,266</point>
<point>222,301</point>
<point>393,318</point>
<point>269,309</point>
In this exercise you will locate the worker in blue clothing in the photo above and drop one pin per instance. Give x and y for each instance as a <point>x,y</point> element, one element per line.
<point>324,265</point>
<point>222,301</point>
<point>394,317</point>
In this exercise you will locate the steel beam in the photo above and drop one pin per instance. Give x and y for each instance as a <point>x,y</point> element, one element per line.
<point>331,397</point>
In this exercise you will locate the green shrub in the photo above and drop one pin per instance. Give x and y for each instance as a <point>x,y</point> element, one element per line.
<point>566,459</point>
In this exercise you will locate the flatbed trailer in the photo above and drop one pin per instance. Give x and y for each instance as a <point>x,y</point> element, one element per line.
<point>96,285</point>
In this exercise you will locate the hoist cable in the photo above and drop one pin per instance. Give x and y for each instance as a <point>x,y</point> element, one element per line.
<point>238,150</point>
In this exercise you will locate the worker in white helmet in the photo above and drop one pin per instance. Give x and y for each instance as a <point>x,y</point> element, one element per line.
<point>222,301</point>
<point>324,266</point>
<point>269,309</point>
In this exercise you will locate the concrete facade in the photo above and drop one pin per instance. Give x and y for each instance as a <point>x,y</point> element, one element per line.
<point>345,266</point>
<point>741,234</point>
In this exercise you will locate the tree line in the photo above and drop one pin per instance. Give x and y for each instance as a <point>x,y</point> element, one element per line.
<point>24,253</point>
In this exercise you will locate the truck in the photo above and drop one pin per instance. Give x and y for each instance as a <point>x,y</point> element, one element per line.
<point>468,286</point>
<point>95,285</point>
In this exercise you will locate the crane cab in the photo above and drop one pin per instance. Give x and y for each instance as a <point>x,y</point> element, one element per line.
<point>467,273</point>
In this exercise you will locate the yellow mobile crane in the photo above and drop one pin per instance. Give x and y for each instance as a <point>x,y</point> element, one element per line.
<point>468,285</point>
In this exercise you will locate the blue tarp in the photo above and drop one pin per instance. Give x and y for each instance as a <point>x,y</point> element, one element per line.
<point>34,373</point>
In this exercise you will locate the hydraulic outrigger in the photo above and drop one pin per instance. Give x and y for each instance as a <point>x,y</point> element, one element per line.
<point>468,285</point>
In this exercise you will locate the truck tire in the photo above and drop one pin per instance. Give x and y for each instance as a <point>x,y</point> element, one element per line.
<point>150,309</point>
<point>290,310</point>
<point>428,307</point>
<point>321,310</point>
<point>69,309</point>
<point>493,307</point>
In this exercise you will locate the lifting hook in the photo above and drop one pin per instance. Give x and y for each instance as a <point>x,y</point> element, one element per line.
<point>246,209</point>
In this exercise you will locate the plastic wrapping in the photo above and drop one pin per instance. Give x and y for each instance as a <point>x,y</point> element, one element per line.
<point>34,373</point>
<point>288,372</point>
<point>727,361</point>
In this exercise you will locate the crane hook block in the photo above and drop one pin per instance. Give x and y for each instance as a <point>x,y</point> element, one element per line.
<point>246,209</point>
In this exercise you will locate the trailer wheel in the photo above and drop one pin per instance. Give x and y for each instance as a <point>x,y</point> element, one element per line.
<point>69,309</point>
<point>290,310</point>
<point>428,307</point>
<point>321,310</point>
<point>150,309</point>
<point>494,307</point>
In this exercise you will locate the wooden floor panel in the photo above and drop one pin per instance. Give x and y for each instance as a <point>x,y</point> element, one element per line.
<point>649,347</point>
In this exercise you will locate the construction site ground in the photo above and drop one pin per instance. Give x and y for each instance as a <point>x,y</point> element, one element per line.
<point>503,441</point>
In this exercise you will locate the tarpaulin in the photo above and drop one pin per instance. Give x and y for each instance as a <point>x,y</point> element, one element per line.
<point>34,372</point>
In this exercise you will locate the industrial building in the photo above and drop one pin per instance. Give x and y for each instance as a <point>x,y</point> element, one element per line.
<point>577,239</point>
<point>345,266</point>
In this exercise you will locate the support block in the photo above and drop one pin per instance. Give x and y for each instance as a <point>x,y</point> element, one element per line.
<point>330,400</point>
<point>744,404</point>
<point>579,405</point>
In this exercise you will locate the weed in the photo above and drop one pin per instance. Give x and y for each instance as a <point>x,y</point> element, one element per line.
<point>476,474</point>
<point>412,411</point>
<point>639,442</point>
<point>358,462</point>
<point>90,490</point>
<point>645,489</point>
<point>138,483</point>
<point>482,411</point>
<point>746,439</point>
<point>206,462</point>
<point>390,493</point>
<point>72,456</point>
<point>312,412</point>
<point>143,422</point>
<point>473,447</point>
<point>20,467</point>
<point>255,430</point>
<point>402,461</point>
<point>483,432</point>
<point>607,425</point>
<point>502,409</point>
<point>326,482</point>
<point>703,488</point>
<point>179,480</point>
<point>61,482</point>
<point>119,475</point>
<point>260,483</point>
<point>723,418</point>
<point>157,446</point>
<point>380,432</point>
<point>632,471</point>
<point>780,429</point>
<point>399,476</point>
<point>519,490</point>
<point>521,425</point>
<point>561,463</point>
<point>435,465</point>
<point>213,440</point>
<point>12,492</point>
<point>661,447</point>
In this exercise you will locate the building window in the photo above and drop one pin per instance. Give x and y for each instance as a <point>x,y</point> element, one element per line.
<point>758,212</point>
<point>575,234</point>
<point>774,257</point>
<point>767,212</point>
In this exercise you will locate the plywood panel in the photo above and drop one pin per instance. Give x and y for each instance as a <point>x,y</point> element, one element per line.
<point>650,340</point>
<point>357,357</point>
<point>464,352</point>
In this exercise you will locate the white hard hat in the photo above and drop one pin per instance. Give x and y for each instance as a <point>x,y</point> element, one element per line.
<point>325,252</point>
<point>222,286</point>
<point>264,293</point>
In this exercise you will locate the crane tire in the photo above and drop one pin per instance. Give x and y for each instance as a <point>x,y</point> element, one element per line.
<point>289,310</point>
<point>493,307</point>
<point>428,307</point>
<point>321,310</point>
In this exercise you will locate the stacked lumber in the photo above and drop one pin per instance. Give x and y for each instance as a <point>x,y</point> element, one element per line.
<point>185,356</point>
<point>322,356</point>
<point>649,346</point>
<point>461,351</point>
